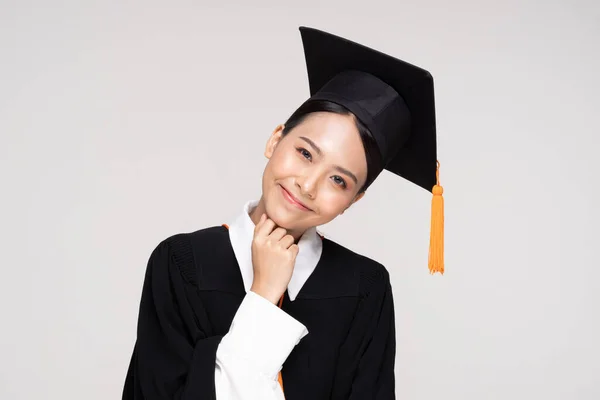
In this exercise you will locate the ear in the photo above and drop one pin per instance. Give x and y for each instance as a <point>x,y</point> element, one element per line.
<point>273,140</point>
<point>356,198</point>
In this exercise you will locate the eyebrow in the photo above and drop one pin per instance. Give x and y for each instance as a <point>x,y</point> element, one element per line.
<point>337,167</point>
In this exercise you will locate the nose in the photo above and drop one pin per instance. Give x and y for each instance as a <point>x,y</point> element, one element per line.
<point>307,185</point>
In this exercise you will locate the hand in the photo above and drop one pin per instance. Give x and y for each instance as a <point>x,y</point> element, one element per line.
<point>273,258</point>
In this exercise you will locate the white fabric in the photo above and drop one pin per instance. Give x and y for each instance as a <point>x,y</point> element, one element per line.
<point>310,245</point>
<point>261,335</point>
<point>252,353</point>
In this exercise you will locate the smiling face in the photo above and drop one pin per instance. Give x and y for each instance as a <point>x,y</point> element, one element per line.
<point>314,172</point>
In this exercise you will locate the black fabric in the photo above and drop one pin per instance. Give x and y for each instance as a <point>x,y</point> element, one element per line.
<point>193,288</point>
<point>393,98</point>
<point>174,355</point>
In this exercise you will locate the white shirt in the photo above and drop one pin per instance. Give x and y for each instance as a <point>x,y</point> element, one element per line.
<point>261,335</point>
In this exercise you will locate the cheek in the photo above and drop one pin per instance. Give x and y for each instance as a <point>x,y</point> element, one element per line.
<point>284,163</point>
<point>332,201</point>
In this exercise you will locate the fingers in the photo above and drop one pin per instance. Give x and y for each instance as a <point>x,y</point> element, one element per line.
<point>287,241</point>
<point>261,221</point>
<point>264,227</point>
<point>267,227</point>
<point>259,225</point>
<point>294,249</point>
<point>263,217</point>
<point>277,234</point>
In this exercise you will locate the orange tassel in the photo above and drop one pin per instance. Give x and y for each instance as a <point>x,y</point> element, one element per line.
<point>280,380</point>
<point>436,243</point>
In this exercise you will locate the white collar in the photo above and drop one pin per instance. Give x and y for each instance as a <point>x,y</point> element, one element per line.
<point>241,233</point>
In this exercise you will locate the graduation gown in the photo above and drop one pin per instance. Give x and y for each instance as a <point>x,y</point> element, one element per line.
<point>193,289</point>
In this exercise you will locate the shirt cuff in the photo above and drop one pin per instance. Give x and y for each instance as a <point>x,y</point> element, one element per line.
<point>262,334</point>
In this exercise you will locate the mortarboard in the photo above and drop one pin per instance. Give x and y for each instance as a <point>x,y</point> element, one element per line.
<point>394,100</point>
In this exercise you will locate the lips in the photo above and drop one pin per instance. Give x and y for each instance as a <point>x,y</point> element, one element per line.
<point>293,200</point>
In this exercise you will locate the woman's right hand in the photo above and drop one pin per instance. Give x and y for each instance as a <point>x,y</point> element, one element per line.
<point>273,258</point>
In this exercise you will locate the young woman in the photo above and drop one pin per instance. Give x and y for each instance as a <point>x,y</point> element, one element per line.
<point>265,308</point>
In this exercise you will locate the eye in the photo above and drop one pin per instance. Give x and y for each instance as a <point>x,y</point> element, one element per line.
<point>339,181</point>
<point>305,153</point>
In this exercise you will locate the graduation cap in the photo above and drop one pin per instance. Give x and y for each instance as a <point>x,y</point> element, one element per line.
<point>394,100</point>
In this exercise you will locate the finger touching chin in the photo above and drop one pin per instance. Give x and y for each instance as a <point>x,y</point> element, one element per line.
<point>280,217</point>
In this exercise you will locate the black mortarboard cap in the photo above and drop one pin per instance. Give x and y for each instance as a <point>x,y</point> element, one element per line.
<point>394,100</point>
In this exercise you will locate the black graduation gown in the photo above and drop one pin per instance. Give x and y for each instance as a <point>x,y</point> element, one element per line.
<point>193,288</point>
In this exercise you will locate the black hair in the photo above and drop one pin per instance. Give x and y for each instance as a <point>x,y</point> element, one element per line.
<point>372,153</point>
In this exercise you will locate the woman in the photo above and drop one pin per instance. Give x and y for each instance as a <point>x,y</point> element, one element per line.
<point>265,307</point>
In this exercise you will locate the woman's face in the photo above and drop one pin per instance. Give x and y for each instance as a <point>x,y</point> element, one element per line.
<point>314,172</point>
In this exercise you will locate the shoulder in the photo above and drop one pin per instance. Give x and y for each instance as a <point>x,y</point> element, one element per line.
<point>180,243</point>
<point>182,250</point>
<point>368,274</point>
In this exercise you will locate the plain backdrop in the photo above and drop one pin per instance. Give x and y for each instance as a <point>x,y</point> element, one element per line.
<point>122,123</point>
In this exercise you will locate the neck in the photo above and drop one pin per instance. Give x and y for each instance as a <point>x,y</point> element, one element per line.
<point>260,209</point>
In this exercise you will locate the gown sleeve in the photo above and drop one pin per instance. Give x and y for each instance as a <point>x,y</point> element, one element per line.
<point>370,369</point>
<point>175,358</point>
<point>252,353</point>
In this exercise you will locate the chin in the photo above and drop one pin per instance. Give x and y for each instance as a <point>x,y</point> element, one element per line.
<point>281,216</point>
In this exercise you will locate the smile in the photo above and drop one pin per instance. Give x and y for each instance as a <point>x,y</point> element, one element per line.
<point>292,200</point>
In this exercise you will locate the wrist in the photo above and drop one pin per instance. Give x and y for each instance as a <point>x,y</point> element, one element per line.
<point>265,293</point>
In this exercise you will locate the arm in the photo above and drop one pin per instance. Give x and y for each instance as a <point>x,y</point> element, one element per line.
<point>173,358</point>
<point>261,336</point>
<point>176,358</point>
<point>252,353</point>
<point>370,369</point>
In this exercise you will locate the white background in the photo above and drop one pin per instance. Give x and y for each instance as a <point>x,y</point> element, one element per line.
<point>122,123</point>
